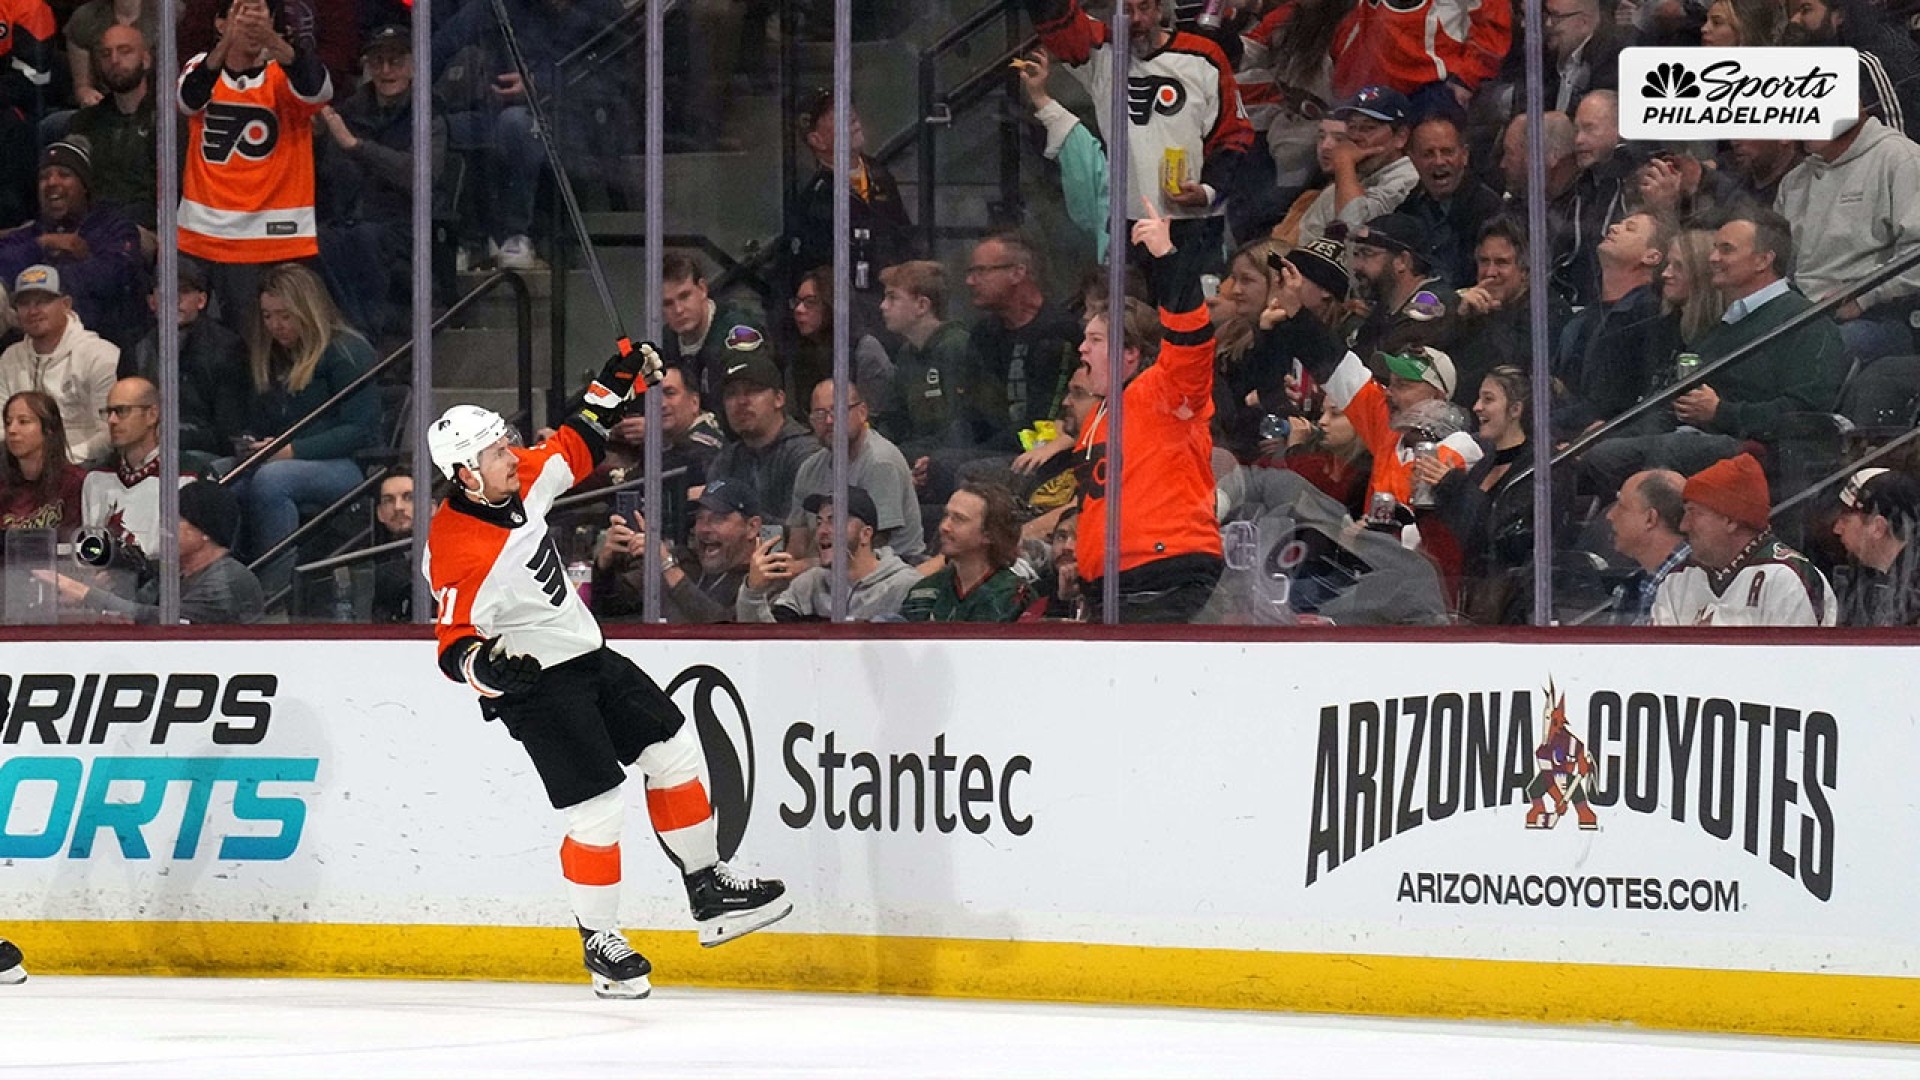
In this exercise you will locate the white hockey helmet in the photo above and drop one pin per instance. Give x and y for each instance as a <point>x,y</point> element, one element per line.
<point>460,434</point>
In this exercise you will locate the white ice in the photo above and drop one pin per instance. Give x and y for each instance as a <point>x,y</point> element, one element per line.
<point>206,1028</point>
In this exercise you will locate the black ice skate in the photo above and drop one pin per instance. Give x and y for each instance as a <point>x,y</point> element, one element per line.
<point>618,971</point>
<point>12,969</point>
<point>728,905</point>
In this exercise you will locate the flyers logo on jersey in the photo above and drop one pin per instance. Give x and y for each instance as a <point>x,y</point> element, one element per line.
<point>1148,95</point>
<point>548,571</point>
<point>248,130</point>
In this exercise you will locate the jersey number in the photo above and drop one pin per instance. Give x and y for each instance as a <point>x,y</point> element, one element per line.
<point>446,599</point>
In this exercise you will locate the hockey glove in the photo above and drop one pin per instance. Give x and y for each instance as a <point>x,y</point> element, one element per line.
<point>606,394</point>
<point>493,673</point>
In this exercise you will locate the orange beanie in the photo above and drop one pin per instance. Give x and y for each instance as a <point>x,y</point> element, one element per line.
<point>1735,488</point>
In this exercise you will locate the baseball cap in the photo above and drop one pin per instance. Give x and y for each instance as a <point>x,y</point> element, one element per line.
<point>390,36</point>
<point>859,505</point>
<point>1380,102</point>
<point>192,277</point>
<point>1890,493</point>
<point>38,278</point>
<point>752,367</point>
<point>1853,494</point>
<point>1427,365</point>
<point>726,496</point>
<point>1394,232</point>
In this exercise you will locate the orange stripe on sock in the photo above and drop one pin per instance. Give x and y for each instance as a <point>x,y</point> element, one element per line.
<point>678,807</point>
<point>584,864</point>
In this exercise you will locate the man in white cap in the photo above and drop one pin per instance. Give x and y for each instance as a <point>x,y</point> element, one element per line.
<point>511,627</point>
<point>61,358</point>
<point>1879,512</point>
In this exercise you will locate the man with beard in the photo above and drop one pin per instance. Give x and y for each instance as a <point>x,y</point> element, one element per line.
<point>1879,516</point>
<point>876,577</point>
<point>979,539</point>
<point>1410,304</point>
<point>95,247</point>
<point>701,588</point>
<point>1020,351</point>
<point>1889,61</point>
<point>1450,202</point>
<point>1758,165</point>
<point>120,127</point>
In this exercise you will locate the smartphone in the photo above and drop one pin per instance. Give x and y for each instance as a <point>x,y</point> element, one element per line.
<point>1276,264</point>
<point>628,504</point>
<point>776,533</point>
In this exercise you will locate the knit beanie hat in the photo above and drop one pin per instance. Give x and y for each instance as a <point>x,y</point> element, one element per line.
<point>74,154</point>
<point>1735,488</point>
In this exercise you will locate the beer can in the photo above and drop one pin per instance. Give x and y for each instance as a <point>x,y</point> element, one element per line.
<point>1685,364</point>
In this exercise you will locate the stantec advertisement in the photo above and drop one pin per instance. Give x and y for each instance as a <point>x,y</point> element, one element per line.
<point>1619,804</point>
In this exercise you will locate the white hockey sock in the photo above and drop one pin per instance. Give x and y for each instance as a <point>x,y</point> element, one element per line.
<point>677,801</point>
<point>590,859</point>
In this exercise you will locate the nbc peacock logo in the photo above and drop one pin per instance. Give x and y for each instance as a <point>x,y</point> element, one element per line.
<point>1671,80</point>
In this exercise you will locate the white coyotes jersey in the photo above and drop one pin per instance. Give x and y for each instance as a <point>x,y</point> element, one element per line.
<point>496,570</point>
<point>1773,585</point>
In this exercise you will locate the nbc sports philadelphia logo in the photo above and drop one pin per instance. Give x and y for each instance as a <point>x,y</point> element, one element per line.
<point>1691,94</point>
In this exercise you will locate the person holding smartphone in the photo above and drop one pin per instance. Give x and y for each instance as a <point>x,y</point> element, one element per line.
<point>702,582</point>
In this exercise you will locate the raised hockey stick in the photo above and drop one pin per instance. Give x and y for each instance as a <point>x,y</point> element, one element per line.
<point>650,373</point>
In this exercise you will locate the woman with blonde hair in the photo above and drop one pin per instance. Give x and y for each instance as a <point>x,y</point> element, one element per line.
<point>1690,305</point>
<point>1744,22</point>
<point>301,354</point>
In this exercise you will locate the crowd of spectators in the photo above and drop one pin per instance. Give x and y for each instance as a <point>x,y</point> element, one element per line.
<point>1343,181</point>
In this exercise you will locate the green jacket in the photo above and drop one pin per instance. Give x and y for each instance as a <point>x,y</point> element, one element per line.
<point>1798,373</point>
<point>1000,598</point>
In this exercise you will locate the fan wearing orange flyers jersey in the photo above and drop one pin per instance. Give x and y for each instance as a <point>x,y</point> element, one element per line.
<point>246,197</point>
<point>510,627</point>
<point>1170,557</point>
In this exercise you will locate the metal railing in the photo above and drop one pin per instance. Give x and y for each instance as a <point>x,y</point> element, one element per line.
<point>1705,373</point>
<point>523,344</point>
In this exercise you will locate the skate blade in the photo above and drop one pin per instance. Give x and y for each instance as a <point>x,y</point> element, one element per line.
<point>724,928</point>
<point>13,976</point>
<point>630,990</point>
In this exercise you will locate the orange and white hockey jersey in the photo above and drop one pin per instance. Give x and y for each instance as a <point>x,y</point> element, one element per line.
<point>496,570</point>
<point>247,195</point>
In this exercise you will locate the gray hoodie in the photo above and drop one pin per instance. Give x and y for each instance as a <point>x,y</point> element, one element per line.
<point>1855,214</point>
<point>810,596</point>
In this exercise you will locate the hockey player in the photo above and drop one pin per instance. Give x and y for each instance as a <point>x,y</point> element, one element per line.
<point>12,965</point>
<point>511,627</point>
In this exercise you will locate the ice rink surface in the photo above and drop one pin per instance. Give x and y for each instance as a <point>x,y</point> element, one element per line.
<point>205,1028</point>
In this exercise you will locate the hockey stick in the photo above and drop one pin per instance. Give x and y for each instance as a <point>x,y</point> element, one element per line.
<point>650,374</point>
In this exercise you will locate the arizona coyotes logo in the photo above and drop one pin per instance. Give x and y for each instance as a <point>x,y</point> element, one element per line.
<point>549,573</point>
<point>1147,95</point>
<point>1565,774</point>
<point>247,130</point>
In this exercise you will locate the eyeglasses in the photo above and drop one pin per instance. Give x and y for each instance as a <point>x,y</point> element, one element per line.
<point>115,412</point>
<point>976,271</point>
<point>1076,393</point>
<point>799,302</point>
<point>827,414</point>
